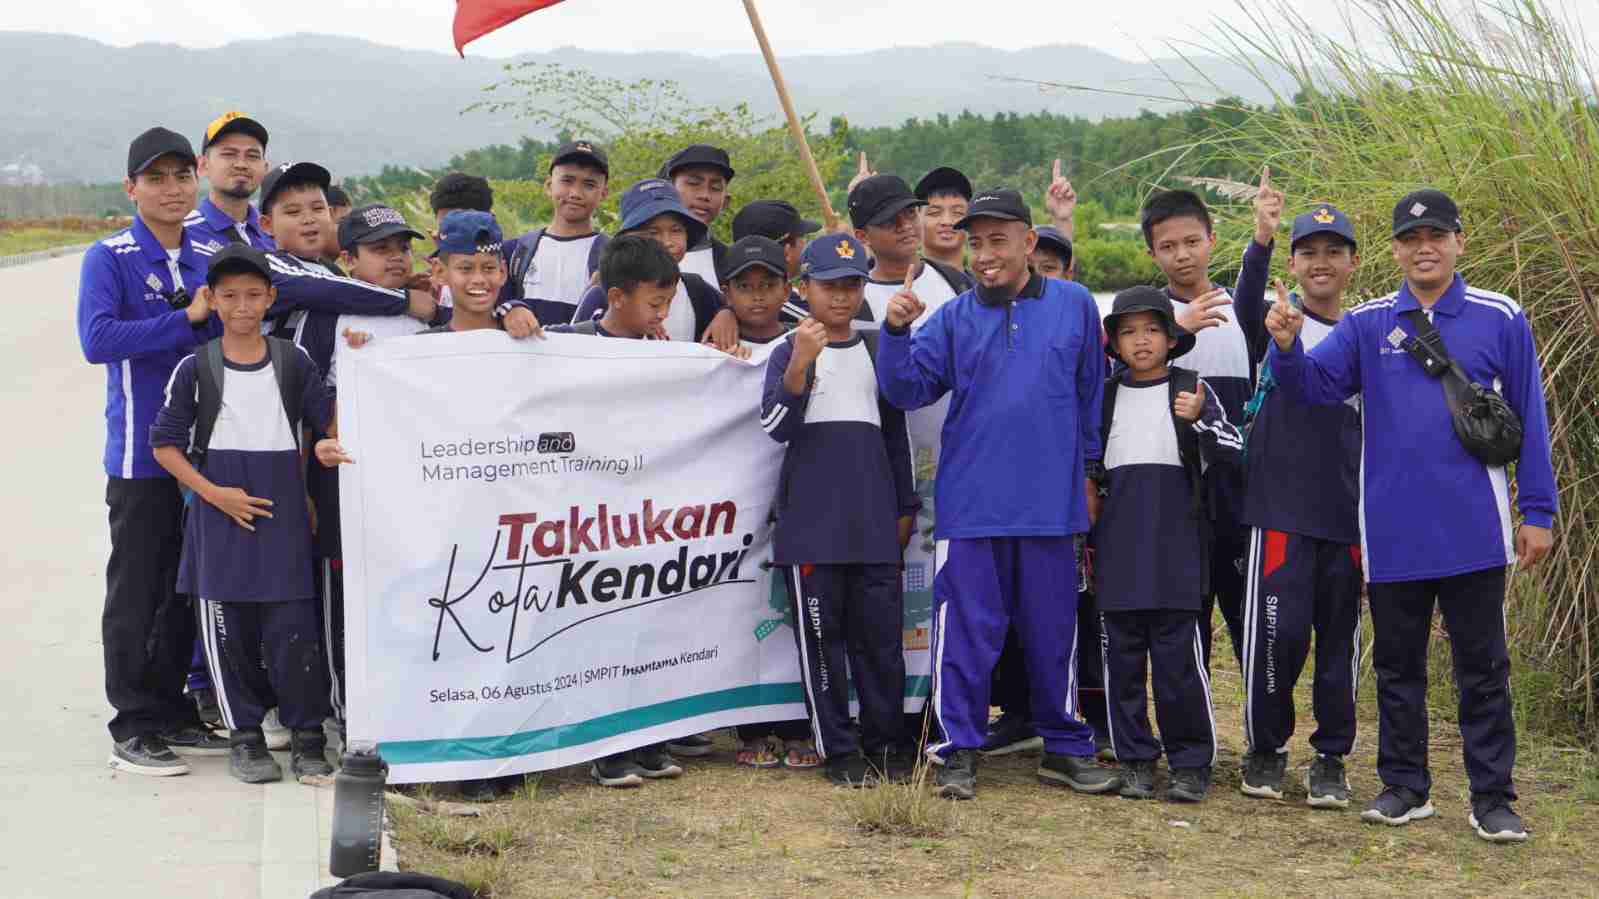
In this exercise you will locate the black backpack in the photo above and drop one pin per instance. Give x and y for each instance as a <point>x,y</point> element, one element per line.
<point>209,370</point>
<point>1182,380</point>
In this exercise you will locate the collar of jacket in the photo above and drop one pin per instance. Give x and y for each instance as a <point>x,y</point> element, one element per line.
<point>1032,290</point>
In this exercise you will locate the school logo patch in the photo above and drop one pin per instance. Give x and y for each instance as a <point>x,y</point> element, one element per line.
<point>1418,208</point>
<point>583,147</point>
<point>845,250</point>
<point>1396,337</point>
<point>1323,216</point>
<point>153,281</point>
<point>382,215</point>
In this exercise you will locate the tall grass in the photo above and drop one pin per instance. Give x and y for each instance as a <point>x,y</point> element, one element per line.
<point>1495,104</point>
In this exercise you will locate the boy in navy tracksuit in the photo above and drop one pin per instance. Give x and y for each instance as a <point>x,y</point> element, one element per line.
<point>844,513</point>
<point>1435,520</point>
<point>1161,426</point>
<point>1302,470</point>
<point>1021,356</point>
<point>247,540</point>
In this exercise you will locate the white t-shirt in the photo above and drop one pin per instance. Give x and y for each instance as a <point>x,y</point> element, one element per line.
<point>560,269</point>
<point>680,318</point>
<point>378,326</point>
<point>930,287</point>
<point>701,262</point>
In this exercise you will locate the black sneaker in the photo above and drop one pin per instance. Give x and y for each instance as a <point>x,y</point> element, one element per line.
<point>849,771</point>
<point>1495,821</point>
<point>891,766</point>
<point>617,771</point>
<point>656,763</point>
<point>308,754</point>
<point>1011,733</point>
<point>957,777</point>
<point>249,760</point>
<point>1081,774</point>
<point>692,746</point>
<point>1138,780</point>
<point>1325,783</point>
<point>1397,805</point>
<point>205,702</point>
<point>1188,785</point>
<point>192,739</point>
<point>488,789</point>
<point>1263,774</point>
<point>147,755</point>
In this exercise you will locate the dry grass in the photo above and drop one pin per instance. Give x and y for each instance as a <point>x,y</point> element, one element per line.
<point>723,831</point>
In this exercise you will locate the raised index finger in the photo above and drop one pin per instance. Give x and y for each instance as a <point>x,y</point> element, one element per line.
<point>1265,178</point>
<point>1056,176</point>
<point>910,276</point>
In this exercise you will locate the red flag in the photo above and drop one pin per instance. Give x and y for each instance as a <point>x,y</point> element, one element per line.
<point>475,18</point>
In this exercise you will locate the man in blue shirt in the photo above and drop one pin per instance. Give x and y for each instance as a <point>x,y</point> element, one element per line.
<point>1020,356</point>
<point>141,309</point>
<point>233,161</point>
<point>1435,524</point>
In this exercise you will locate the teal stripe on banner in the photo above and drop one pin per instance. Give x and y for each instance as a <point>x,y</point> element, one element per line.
<point>473,749</point>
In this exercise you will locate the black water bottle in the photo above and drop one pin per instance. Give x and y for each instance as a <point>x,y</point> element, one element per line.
<point>358,811</point>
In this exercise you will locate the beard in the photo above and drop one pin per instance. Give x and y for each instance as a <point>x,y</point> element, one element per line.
<point>236,193</point>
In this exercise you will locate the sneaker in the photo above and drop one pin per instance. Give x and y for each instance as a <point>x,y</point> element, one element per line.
<point>1188,785</point>
<point>192,739</point>
<point>1082,774</point>
<point>656,763</point>
<point>1104,750</point>
<point>488,789</point>
<point>1325,783</point>
<point>1012,733</point>
<point>277,736</point>
<point>1397,805</point>
<point>147,755</point>
<point>957,777</point>
<point>849,771</point>
<point>692,746</point>
<point>1495,821</point>
<point>1263,774</point>
<point>617,771</point>
<point>1138,780</point>
<point>249,760</point>
<point>308,755</point>
<point>205,702</point>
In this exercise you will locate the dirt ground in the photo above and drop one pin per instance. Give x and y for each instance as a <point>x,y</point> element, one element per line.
<point>722,831</point>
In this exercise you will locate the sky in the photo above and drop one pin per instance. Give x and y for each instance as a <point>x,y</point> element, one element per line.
<point>1131,29</point>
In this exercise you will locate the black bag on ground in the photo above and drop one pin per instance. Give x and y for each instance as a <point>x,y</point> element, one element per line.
<point>394,885</point>
<point>1484,423</point>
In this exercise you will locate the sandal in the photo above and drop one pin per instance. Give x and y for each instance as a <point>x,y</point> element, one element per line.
<point>756,754</point>
<point>801,754</point>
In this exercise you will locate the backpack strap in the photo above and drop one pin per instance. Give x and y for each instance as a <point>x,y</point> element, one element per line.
<point>291,381</point>
<point>1186,380</point>
<point>870,339</point>
<point>595,250</point>
<point>1107,411</point>
<point>521,261</point>
<point>208,369</point>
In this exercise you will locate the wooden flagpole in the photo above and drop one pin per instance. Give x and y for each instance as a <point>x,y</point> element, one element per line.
<point>794,127</point>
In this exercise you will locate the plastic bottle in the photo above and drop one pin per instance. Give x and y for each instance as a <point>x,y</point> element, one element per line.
<point>358,811</point>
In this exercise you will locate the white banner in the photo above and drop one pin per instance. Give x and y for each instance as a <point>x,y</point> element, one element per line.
<point>556,550</point>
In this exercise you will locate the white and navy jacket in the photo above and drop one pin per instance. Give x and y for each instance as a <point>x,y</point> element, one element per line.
<point>306,287</point>
<point>1428,508</point>
<point>1221,356</point>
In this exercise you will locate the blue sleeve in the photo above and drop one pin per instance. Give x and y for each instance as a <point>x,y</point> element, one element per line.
<point>174,421</point>
<point>1328,374</point>
<point>107,337</point>
<point>915,370</point>
<point>316,402</point>
<point>315,291</point>
<point>1537,495</point>
<point>591,306</point>
<point>782,413</point>
<point>897,440</point>
<point>1219,439</point>
<point>1249,297</point>
<point>1090,383</point>
<point>318,339</point>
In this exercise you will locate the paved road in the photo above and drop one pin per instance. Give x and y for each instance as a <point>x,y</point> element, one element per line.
<point>73,828</point>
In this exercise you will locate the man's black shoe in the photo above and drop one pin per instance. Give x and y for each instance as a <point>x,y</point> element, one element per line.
<point>957,777</point>
<point>1397,805</point>
<point>848,770</point>
<point>1138,780</point>
<point>1188,785</point>
<point>1263,774</point>
<point>249,760</point>
<point>308,754</point>
<point>1012,733</point>
<point>192,739</point>
<point>1080,773</point>
<point>1325,783</point>
<point>147,755</point>
<point>1495,821</point>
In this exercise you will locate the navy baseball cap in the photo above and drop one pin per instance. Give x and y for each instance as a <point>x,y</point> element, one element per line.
<point>469,231</point>
<point>1146,299</point>
<point>154,144</point>
<point>876,200</point>
<point>943,180</point>
<point>290,174</point>
<point>1324,219</point>
<point>834,256</point>
<point>1426,208</point>
<point>582,151</point>
<point>698,155</point>
<point>776,219</point>
<point>235,259</point>
<point>655,196</point>
<point>371,223</point>
<point>999,203</point>
<point>752,251</point>
<point>1051,237</point>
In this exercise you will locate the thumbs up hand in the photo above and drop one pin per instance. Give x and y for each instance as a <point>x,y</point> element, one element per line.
<point>1189,406</point>
<point>1268,209</point>
<point>1283,321</point>
<point>904,307</point>
<point>862,172</point>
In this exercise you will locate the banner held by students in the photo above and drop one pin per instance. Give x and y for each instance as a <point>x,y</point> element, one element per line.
<point>536,575</point>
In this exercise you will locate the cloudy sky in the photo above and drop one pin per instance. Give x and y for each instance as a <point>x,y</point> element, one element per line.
<point>1131,29</point>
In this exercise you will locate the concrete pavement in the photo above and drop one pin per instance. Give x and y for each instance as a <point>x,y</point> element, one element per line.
<point>75,828</point>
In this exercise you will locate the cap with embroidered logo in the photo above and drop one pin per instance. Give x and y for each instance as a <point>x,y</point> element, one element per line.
<point>1000,203</point>
<point>582,151</point>
<point>292,174</point>
<point>750,252</point>
<point>371,223</point>
<point>1426,208</point>
<point>1322,219</point>
<point>468,231</point>
<point>229,123</point>
<point>834,256</point>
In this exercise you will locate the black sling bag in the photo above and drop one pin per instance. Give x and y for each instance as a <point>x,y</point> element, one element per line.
<point>1485,424</point>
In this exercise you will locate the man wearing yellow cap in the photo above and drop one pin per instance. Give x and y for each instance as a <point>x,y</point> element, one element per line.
<point>233,161</point>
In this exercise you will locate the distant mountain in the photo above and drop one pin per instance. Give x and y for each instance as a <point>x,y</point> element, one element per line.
<point>72,104</point>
